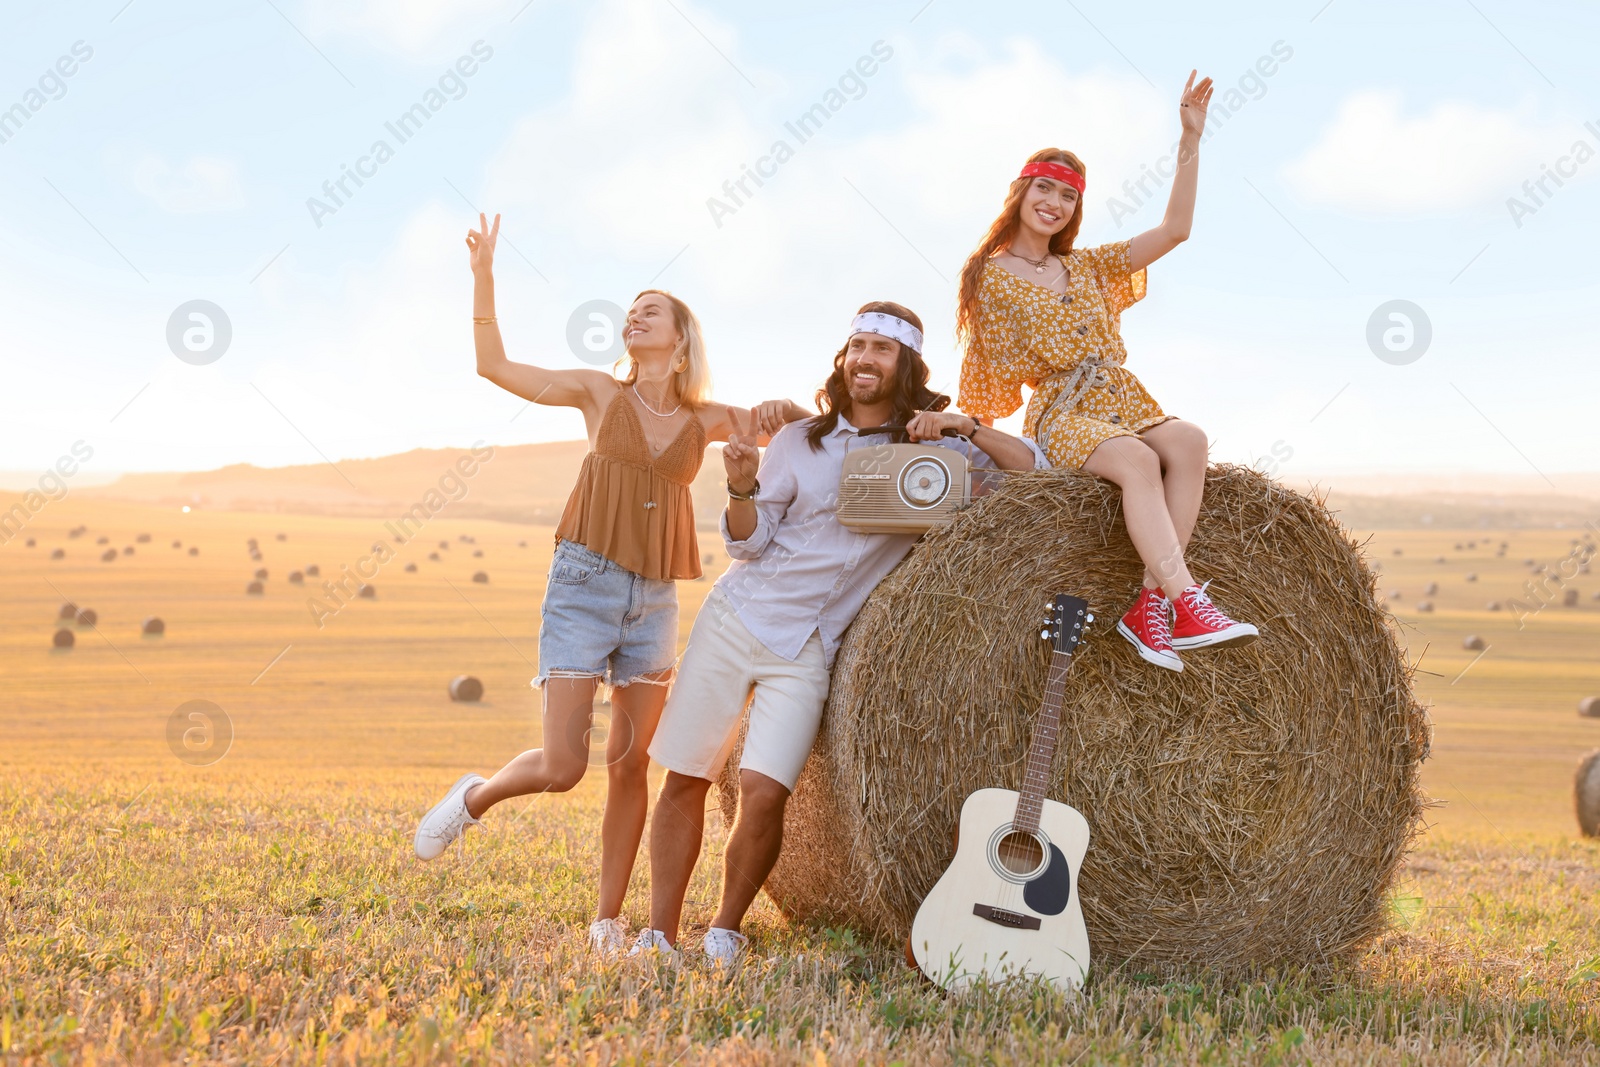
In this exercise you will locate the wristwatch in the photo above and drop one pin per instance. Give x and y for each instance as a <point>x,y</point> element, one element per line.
<point>975,425</point>
<point>751,495</point>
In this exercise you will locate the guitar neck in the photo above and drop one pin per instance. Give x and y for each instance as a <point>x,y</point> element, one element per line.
<point>1042,749</point>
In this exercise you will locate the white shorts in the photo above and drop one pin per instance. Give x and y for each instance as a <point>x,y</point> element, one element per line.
<point>721,668</point>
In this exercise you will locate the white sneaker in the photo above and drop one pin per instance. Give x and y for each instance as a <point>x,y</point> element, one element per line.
<point>447,821</point>
<point>607,936</point>
<point>725,947</point>
<point>653,941</point>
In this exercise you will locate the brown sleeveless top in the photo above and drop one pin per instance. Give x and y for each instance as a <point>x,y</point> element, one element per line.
<point>635,509</point>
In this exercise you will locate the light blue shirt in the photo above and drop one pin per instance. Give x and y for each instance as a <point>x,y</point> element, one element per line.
<point>800,572</point>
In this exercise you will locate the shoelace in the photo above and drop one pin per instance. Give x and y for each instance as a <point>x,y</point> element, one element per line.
<point>1202,608</point>
<point>1155,619</point>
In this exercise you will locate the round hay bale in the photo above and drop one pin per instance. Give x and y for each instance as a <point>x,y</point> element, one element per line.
<point>481,577</point>
<point>69,610</point>
<point>411,568</point>
<point>282,536</point>
<point>261,574</point>
<point>103,541</point>
<point>1398,552</point>
<point>1589,707</point>
<point>366,591</point>
<point>444,544</point>
<point>1473,643</point>
<point>30,542</point>
<point>255,589</point>
<point>296,578</point>
<point>177,544</point>
<point>77,531</point>
<point>1394,594</point>
<point>127,550</point>
<point>194,550</point>
<point>58,553</point>
<point>1440,559</point>
<point>1494,605</point>
<point>87,617</point>
<point>477,552</point>
<point>434,556</point>
<point>313,571</point>
<point>522,544</point>
<point>1431,589</point>
<point>1472,577</point>
<point>143,539</point>
<point>152,627</point>
<point>1569,598</point>
<point>1253,810</point>
<point>64,639</point>
<point>1425,605</point>
<point>1586,794</point>
<point>108,555</point>
<point>466,688</point>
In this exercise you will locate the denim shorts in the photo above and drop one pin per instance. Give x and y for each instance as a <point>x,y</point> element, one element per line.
<point>600,620</point>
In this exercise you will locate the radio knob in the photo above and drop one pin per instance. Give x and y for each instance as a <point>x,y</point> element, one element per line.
<point>1088,618</point>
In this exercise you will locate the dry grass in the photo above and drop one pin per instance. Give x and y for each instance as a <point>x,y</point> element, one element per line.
<point>266,909</point>
<point>1249,812</point>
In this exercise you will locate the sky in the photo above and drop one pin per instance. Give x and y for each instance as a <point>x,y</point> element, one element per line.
<point>154,153</point>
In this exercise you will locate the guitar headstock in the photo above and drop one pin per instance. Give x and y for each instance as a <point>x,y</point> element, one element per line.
<point>1064,625</point>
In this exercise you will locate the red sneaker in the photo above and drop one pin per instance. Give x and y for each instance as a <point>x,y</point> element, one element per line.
<point>1201,624</point>
<point>1146,626</point>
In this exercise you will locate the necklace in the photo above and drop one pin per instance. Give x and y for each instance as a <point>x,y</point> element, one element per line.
<point>1038,264</point>
<point>651,410</point>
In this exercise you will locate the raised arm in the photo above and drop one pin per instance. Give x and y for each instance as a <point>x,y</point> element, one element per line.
<point>587,390</point>
<point>1009,453</point>
<point>767,418</point>
<point>1147,247</point>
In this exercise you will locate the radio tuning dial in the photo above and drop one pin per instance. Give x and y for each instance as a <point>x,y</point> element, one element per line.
<point>924,483</point>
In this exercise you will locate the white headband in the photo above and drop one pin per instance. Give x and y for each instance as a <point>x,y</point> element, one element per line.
<point>890,326</point>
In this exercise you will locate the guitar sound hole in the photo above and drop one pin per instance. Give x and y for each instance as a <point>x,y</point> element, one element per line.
<point>1020,853</point>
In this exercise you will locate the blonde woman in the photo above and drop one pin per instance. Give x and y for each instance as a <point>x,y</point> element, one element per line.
<point>628,534</point>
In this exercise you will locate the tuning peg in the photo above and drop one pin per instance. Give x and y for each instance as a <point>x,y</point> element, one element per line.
<point>1045,634</point>
<point>1088,618</point>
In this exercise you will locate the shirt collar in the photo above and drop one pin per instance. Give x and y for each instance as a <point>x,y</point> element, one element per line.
<point>843,426</point>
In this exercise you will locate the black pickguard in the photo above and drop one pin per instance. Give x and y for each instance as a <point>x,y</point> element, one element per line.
<point>1049,893</point>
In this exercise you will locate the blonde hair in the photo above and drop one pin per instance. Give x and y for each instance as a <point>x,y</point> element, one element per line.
<point>691,367</point>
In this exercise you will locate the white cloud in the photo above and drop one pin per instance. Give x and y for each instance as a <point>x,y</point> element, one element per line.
<point>198,184</point>
<point>417,29</point>
<point>1374,159</point>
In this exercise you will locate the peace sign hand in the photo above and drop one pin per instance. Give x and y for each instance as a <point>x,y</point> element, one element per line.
<point>1192,105</point>
<point>480,244</point>
<point>740,456</point>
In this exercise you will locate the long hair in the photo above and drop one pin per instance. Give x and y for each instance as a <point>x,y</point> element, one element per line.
<point>691,366</point>
<point>910,393</point>
<point>1001,231</point>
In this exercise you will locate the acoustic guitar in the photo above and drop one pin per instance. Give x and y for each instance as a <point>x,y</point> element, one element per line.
<point>1008,903</point>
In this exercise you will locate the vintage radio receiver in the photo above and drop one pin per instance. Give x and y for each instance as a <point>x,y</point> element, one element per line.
<point>902,489</point>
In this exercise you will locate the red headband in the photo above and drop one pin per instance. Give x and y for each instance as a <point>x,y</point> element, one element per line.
<point>1059,171</point>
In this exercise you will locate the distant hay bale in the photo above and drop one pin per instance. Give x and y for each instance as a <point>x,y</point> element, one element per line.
<point>1569,599</point>
<point>102,541</point>
<point>1473,643</point>
<point>127,550</point>
<point>58,553</point>
<point>77,531</point>
<point>1589,707</point>
<point>108,555</point>
<point>444,544</point>
<point>710,559</point>
<point>1394,594</point>
<point>1493,605</point>
<point>143,539</point>
<point>281,536</point>
<point>152,627</point>
<point>522,544</point>
<point>1472,577</point>
<point>69,610</point>
<point>296,578</point>
<point>1425,605</point>
<point>255,589</point>
<point>255,557</point>
<point>434,556</point>
<point>466,688</point>
<point>367,591</point>
<point>87,617</point>
<point>313,571</point>
<point>1251,811</point>
<point>1431,589</point>
<point>194,550</point>
<point>1398,552</point>
<point>261,574</point>
<point>64,639</point>
<point>30,542</point>
<point>481,577</point>
<point>411,568</point>
<point>177,544</point>
<point>1586,794</point>
<point>477,552</point>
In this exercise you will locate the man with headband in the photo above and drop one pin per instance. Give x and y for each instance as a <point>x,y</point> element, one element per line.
<point>768,631</point>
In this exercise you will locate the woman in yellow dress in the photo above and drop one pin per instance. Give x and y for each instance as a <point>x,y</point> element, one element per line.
<point>1037,312</point>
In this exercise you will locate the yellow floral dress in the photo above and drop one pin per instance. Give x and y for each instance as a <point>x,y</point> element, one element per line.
<point>1067,348</point>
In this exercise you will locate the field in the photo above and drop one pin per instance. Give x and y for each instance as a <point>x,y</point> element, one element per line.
<point>255,899</point>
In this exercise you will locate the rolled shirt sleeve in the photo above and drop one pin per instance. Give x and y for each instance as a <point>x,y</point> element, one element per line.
<point>778,486</point>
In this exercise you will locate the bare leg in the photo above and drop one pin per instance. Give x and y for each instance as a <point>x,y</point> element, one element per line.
<point>1135,467</point>
<point>753,846</point>
<point>676,830</point>
<point>559,765</point>
<point>635,710</point>
<point>1183,450</point>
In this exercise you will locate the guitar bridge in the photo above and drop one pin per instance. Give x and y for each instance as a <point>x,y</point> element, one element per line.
<point>1002,917</point>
